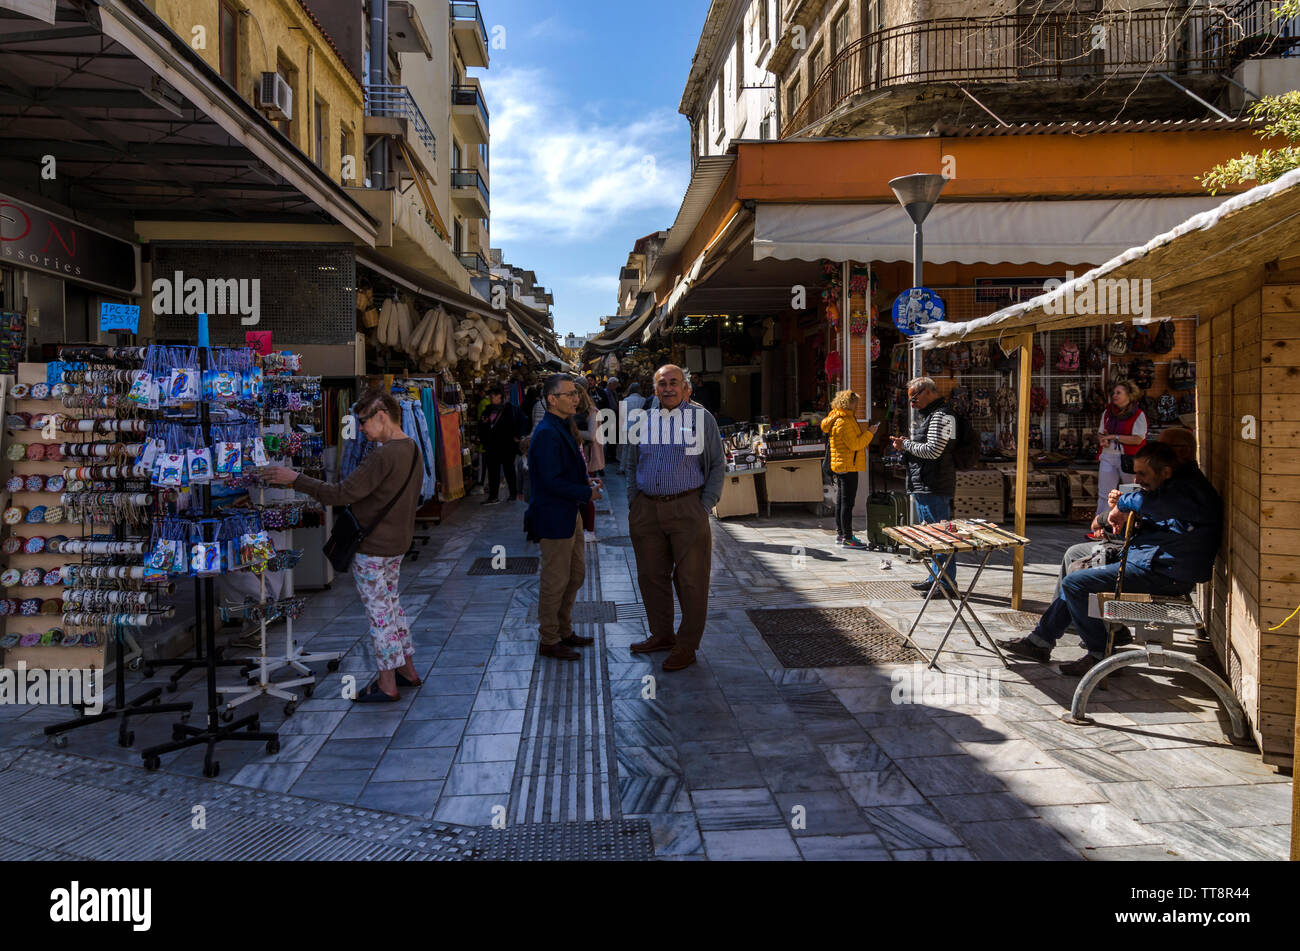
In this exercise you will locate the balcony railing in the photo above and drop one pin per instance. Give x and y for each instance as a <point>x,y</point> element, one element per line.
<point>1048,47</point>
<point>470,96</point>
<point>396,102</point>
<point>473,261</point>
<point>469,178</point>
<point>470,11</point>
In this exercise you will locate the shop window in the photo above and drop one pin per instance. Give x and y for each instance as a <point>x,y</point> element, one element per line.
<point>793,96</point>
<point>840,34</point>
<point>815,64</point>
<point>762,23</point>
<point>457,236</point>
<point>228,44</point>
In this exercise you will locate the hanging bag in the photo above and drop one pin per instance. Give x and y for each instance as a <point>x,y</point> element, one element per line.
<point>342,545</point>
<point>1164,339</point>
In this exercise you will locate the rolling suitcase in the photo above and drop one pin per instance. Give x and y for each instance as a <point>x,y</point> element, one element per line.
<point>884,509</point>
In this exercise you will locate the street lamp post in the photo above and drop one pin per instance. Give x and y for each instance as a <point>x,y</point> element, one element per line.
<point>917,194</point>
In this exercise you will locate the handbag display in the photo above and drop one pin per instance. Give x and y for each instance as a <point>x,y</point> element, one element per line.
<point>341,547</point>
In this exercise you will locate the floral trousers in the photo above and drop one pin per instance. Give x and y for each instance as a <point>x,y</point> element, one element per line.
<point>376,579</point>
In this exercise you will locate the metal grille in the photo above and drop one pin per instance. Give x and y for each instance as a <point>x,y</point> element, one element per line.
<point>1017,620</point>
<point>587,612</point>
<point>885,590</point>
<point>831,637</point>
<point>513,566</point>
<point>623,541</point>
<point>612,840</point>
<point>1170,613</point>
<point>307,291</point>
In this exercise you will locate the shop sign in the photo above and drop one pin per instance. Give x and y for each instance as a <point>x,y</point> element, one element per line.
<point>36,239</point>
<point>915,309</point>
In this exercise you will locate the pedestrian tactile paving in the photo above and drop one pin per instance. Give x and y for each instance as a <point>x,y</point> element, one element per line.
<point>622,541</point>
<point>587,612</point>
<point>611,840</point>
<point>831,637</point>
<point>886,590</point>
<point>524,565</point>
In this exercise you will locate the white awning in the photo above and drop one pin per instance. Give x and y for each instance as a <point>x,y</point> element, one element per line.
<point>1012,232</point>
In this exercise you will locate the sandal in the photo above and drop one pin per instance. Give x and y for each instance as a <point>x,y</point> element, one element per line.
<point>403,682</point>
<point>372,694</point>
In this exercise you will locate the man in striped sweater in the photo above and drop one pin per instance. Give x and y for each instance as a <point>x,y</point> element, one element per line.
<point>931,467</point>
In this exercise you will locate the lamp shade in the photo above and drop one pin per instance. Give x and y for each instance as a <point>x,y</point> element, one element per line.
<point>917,193</point>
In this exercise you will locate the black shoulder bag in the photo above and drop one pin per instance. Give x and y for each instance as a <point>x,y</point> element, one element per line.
<point>342,545</point>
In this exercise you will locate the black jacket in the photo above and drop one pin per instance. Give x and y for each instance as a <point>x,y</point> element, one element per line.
<point>500,436</point>
<point>931,467</point>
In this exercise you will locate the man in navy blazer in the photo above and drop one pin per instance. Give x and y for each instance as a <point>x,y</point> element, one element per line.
<point>559,489</point>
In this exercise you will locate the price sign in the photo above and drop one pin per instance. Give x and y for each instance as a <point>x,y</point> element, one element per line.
<point>119,317</point>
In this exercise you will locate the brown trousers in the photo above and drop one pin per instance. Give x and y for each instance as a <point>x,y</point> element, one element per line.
<point>564,567</point>
<point>673,542</point>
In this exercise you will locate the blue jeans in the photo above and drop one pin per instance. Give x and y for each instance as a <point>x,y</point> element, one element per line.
<point>1071,605</point>
<point>931,507</point>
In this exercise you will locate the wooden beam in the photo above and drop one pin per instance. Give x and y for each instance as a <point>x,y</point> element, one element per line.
<point>1022,465</point>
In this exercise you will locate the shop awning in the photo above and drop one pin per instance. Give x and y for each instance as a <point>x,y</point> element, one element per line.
<point>530,349</point>
<point>629,332</point>
<point>706,262</point>
<point>1011,232</point>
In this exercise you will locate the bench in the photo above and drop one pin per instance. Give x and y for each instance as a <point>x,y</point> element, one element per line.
<point>1153,620</point>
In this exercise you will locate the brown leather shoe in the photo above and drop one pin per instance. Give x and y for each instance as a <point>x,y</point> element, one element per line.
<point>558,651</point>
<point>577,640</point>
<point>679,659</point>
<point>652,644</point>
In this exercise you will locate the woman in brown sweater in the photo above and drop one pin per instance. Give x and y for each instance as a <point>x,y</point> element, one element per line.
<point>389,473</point>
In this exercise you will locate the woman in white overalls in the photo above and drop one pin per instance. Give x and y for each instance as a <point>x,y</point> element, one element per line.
<point>1123,432</point>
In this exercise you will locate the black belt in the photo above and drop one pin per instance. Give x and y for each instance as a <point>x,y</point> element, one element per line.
<point>669,498</point>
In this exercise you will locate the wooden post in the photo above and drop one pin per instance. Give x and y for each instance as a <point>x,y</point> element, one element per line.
<point>1295,795</point>
<point>1022,464</point>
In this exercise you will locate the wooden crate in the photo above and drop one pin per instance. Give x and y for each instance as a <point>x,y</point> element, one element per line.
<point>993,509</point>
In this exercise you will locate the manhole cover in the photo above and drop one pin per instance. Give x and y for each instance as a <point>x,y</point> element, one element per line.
<point>512,566</point>
<point>611,840</point>
<point>624,541</point>
<point>587,612</point>
<point>1017,620</point>
<point>886,590</point>
<point>831,637</point>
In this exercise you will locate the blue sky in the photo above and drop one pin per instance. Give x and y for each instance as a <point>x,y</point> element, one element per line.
<point>588,150</point>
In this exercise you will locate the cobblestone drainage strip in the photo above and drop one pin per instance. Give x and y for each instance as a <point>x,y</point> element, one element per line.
<point>512,566</point>
<point>831,637</point>
<point>610,840</point>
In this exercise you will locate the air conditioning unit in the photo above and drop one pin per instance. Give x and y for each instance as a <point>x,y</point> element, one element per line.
<point>275,96</point>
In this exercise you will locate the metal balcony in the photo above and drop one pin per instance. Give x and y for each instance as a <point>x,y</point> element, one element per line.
<point>470,191</point>
<point>396,102</point>
<point>474,262</point>
<point>470,113</point>
<point>470,33</point>
<point>1050,47</point>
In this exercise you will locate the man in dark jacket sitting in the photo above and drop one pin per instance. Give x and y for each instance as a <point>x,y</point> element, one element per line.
<point>559,489</point>
<point>1174,544</point>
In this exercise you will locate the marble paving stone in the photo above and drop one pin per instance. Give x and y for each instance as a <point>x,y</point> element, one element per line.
<point>413,797</point>
<point>763,716</point>
<point>824,729</point>
<point>1263,804</point>
<point>719,809</point>
<point>444,684</point>
<point>675,834</point>
<point>883,787</point>
<point>899,716</point>
<point>421,733</point>
<point>860,757</point>
<point>1094,765</point>
<point>933,855</point>
<point>638,709</point>
<point>414,764</point>
<point>862,847</point>
<point>647,761</point>
<point>1018,840</point>
<point>779,743</point>
<point>911,827</point>
<point>647,795</point>
<point>496,721</point>
<point>490,747</point>
<point>821,813</point>
<point>977,729</point>
<point>461,658</point>
<point>1152,711</point>
<point>507,680</point>
<point>323,722</point>
<point>1179,768</point>
<point>797,773</point>
<point>642,733</point>
<point>720,770</point>
<point>469,810</point>
<point>1048,787</point>
<point>348,754</point>
<point>272,777</point>
<point>1054,734</point>
<point>751,844</point>
<point>434,707</point>
<point>1275,838</point>
<point>335,785</point>
<point>355,724</point>
<point>1133,853</point>
<point>476,779</point>
<point>1147,802</point>
<point>1242,762</point>
<point>688,729</point>
<point>1008,754</point>
<point>949,775</point>
<point>1094,825</point>
<point>504,661</point>
<point>296,748</point>
<point>982,807</point>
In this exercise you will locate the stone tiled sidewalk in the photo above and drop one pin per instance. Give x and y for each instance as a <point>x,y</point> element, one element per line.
<point>736,757</point>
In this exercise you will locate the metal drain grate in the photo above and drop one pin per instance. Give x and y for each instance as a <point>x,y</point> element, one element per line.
<point>1017,620</point>
<point>623,541</point>
<point>886,590</point>
<point>587,612</point>
<point>513,566</point>
<point>604,512</point>
<point>831,637</point>
<point>611,840</point>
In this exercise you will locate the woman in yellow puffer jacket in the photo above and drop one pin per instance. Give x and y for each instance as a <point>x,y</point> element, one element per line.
<point>848,457</point>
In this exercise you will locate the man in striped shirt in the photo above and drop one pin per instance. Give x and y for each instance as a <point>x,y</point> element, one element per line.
<point>675,467</point>
<point>931,466</point>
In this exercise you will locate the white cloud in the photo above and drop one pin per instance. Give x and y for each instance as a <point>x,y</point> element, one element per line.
<point>558,172</point>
